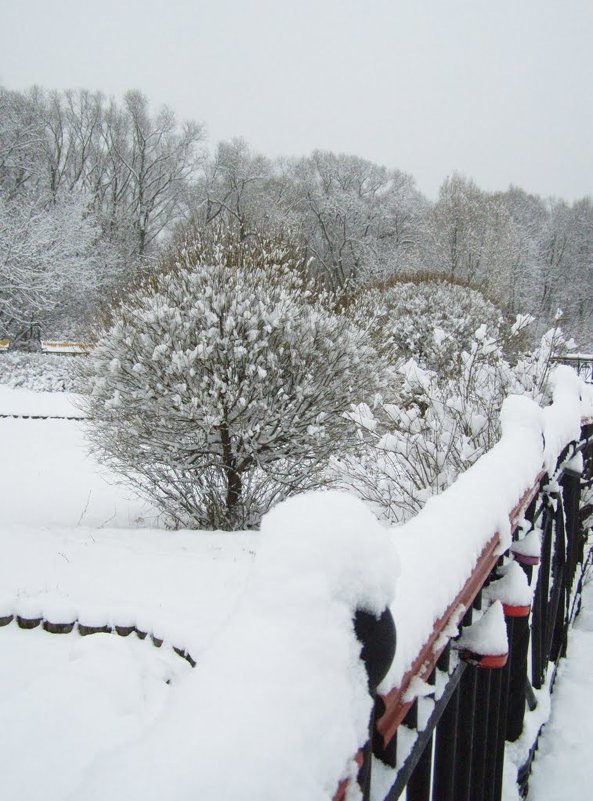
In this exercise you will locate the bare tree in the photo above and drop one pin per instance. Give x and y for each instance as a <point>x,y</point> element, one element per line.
<point>159,160</point>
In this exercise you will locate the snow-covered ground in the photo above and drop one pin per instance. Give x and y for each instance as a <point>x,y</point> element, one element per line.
<point>106,716</point>
<point>563,767</point>
<point>76,545</point>
<point>47,477</point>
<point>269,635</point>
<point>26,402</point>
<point>66,700</point>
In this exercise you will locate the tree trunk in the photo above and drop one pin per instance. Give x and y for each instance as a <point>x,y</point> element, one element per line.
<point>234,491</point>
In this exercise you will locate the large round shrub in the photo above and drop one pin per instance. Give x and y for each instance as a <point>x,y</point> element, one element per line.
<point>221,384</point>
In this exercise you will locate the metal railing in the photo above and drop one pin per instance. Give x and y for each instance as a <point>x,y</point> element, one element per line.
<point>452,747</point>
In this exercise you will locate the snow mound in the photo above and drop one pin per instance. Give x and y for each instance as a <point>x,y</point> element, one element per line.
<point>562,420</point>
<point>283,689</point>
<point>512,589</point>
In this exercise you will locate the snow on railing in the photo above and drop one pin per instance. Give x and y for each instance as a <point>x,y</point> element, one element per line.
<point>452,746</point>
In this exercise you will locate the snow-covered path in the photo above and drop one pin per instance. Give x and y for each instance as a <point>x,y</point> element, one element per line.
<point>563,767</point>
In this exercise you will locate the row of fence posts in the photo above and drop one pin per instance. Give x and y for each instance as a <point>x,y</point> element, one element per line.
<point>458,755</point>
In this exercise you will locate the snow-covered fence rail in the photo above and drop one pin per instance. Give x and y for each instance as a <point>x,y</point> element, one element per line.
<point>491,575</point>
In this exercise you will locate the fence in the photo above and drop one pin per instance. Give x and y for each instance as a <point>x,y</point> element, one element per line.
<point>453,746</point>
<point>66,348</point>
<point>581,362</point>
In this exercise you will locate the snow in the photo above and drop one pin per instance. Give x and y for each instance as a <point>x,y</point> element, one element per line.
<point>512,589</point>
<point>335,537</point>
<point>68,699</point>
<point>321,557</point>
<point>530,545</point>
<point>418,689</point>
<point>562,420</point>
<point>488,635</point>
<point>175,584</point>
<point>277,659</point>
<point>576,464</point>
<point>29,403</point>
<point>38,371</point>
<point>562,766</point>
<point>65,700</point>
<point>448,535</point>
<point>50,480</point>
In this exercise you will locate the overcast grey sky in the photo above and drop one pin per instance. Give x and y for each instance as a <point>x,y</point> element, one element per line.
<point>501,90</point>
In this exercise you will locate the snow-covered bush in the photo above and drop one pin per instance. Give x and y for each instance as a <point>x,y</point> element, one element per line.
<point>415,443</point>
<point>439,421</point>
<point>428,319</point>
<point>38,371</point>
<point>222,383</point>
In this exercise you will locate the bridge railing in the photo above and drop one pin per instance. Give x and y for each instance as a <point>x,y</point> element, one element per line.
<point>457,714</point>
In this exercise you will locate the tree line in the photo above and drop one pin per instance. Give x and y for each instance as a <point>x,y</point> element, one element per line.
<point>92,189</point>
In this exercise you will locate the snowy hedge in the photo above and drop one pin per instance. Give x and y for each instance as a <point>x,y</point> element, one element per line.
<point>221,385</point>
<point>42,372</point>
<point>430,319</point>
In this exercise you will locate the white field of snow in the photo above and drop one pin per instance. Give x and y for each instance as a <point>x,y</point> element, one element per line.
<point>74,543</point>
<point>269,674</point>
<point>276,651</point>
<point>30,403</point>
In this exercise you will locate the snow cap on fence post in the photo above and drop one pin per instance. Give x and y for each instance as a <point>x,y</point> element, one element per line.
<point>520,412</point>
<point>485,642</point>
<point>512,590</point>
<point>334,533</point>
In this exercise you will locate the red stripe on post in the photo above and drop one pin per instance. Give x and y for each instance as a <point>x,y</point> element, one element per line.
<point>516,611</point>
<point>485,660</point>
